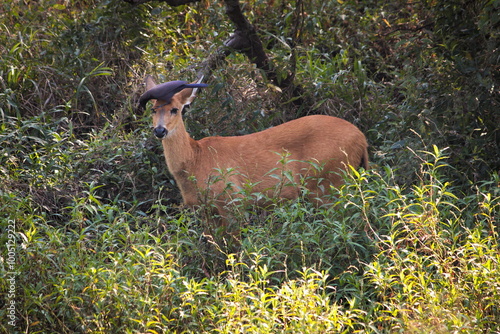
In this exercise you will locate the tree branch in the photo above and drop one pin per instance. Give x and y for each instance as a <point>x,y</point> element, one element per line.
<point>246,40</point>
<point>212,62</point>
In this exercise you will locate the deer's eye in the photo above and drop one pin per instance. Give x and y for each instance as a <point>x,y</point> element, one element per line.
<point>174,111</point>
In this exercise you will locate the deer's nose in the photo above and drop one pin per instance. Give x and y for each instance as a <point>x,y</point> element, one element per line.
<point>160,132</point>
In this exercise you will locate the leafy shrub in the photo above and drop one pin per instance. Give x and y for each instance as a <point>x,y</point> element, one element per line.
<point>382,257</point>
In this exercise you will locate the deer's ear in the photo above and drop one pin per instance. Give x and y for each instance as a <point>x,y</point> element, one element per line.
<point>186,96</point>
<point>150,83</point>
<point>189,94</point>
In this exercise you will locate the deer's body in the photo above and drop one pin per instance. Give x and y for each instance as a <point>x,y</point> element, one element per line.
<point>313,148</point>
<point>258,158</point>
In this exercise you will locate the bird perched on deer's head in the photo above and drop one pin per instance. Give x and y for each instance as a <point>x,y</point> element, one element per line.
<point>166,90</point>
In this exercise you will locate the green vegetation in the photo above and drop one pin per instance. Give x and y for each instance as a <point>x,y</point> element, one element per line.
<point>94,240</point>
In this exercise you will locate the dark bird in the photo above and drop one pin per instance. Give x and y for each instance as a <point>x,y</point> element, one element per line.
<point>166,90</point>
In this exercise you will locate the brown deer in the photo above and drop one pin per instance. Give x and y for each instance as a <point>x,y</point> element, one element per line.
<point>312,150</point>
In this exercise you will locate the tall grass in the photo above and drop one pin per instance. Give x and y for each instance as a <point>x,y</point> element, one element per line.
<point>382,258</point>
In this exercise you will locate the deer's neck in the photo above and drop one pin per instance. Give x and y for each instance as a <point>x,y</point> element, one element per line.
<point>179,150</point>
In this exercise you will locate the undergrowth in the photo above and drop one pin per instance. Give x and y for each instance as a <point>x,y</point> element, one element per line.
<point>382,258</point>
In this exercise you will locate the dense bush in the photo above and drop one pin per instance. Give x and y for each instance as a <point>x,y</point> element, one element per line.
<point>94,239</point>
<point>419,259</point>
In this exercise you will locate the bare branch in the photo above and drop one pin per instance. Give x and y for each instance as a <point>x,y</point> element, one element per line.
<point>212,62</point>
<point>246,40</point>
